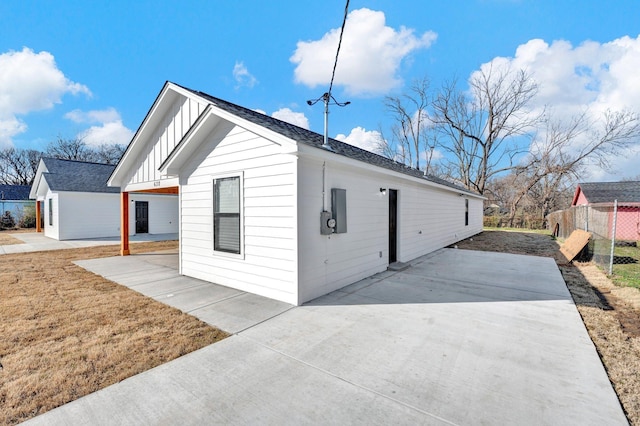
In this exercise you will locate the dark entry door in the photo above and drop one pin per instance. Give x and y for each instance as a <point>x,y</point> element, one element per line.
<point>393,224</point>
<point>142,217</point>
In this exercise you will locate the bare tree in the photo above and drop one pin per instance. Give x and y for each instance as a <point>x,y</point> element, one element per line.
<point>78,150</point>
<point>411,128</point>
<point>560,156</point>
<point>18,166</point>
<point>108,154</point>
<point>485,128</point>
<point>69,149</point>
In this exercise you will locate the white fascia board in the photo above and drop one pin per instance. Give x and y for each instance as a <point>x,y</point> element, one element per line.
<point>34,192</point>
<point>326,155</point>
<point>164,100</point>
<point>158,184</point>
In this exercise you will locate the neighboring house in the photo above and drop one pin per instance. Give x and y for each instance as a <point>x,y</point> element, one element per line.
<point>78,204</point>
<point>13,199</point>
<point>601,196</point>
<point>266,209</point>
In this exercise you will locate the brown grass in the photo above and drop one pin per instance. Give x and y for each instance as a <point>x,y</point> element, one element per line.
<point>65,332</point>
<point>6,239</point>
<point>610,314</point>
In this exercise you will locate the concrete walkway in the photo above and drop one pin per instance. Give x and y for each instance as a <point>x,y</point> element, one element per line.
<point>461,337</point>
<point>36,241</point>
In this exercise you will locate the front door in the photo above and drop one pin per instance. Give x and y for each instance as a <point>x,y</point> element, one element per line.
<point>142,217</point>
<point>393,225</point>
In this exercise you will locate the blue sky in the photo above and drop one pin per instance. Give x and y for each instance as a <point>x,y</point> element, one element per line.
<point>93,69</point>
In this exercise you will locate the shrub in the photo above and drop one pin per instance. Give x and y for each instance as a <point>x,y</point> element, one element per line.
<point>7,221</point>
<point>28,219</point>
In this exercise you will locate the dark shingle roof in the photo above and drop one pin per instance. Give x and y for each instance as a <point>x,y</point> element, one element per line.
<point>14,192</point>
<point>78,176</point>
<point>316,140</point>
<point>607,192</point>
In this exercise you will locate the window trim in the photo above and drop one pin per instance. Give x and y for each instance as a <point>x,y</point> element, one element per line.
<point>51,211</point>
<point>240,177</point>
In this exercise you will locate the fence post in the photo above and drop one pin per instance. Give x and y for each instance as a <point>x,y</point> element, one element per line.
<point>613,234</point>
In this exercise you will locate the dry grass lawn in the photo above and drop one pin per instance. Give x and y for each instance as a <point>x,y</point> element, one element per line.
<point>6,239</point>
<point>611,314</point>
<point>65,332</point>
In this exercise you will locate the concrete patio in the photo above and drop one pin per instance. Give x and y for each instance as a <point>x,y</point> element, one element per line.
<point>460,337</point>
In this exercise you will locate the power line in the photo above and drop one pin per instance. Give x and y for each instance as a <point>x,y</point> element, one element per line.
<point>335,64</point>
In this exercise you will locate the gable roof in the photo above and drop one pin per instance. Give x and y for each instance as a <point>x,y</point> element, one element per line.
<point>607,192</point>
<point>316,140</point>
<point>270,127</point>
<point>14,192</point>
<point>77,176</point>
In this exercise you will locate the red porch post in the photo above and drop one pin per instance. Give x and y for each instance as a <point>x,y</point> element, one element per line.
<point>124,223</point>
<point>38,217</point>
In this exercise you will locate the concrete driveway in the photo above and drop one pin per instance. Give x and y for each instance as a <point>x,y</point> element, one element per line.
<point>460,337</point>
<point>36,241</point>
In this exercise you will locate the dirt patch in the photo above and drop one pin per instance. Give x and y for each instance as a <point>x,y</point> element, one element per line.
<point>611,314</point>
<point>65,332</point>
<point>6,239</point>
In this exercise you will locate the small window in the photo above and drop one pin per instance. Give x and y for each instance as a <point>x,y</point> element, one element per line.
<point>50,211</point>
<point>466,212</point>
<point>226,215</point>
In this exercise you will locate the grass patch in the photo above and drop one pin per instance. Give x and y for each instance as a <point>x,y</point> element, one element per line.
<point>65,332</point>
<point>531,231</point>
<point>626,266</point>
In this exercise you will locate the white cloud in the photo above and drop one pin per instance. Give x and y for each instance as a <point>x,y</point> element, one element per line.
<point>362,138</point>
<point>108,128</point>
<point>29,82</point>
<point>592,77</point>
<point>297,118</point>
<point>242,76</point>
<point>370,55</point>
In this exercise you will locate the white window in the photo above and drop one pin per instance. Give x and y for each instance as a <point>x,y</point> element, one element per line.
<point>227,218</point>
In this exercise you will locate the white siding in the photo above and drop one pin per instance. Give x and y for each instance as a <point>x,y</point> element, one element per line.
<point>82,215</point>
<point>88,215</point>
<point>51,230</point>
<point>163,213</point>
<point>268,262</point>
<point>175,125</point>
<point>428,219</point>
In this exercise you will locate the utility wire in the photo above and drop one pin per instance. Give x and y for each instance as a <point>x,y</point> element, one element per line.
<point>335,64</point>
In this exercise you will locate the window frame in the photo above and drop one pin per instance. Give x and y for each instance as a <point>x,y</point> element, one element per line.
<point>227,253</point>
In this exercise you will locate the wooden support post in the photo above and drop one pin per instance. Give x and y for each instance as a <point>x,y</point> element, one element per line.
<point>38,217</point>
<point>124,224</point>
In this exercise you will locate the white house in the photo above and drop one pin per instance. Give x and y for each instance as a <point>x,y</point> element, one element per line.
<point>266,209</point>
<point>78,204</point>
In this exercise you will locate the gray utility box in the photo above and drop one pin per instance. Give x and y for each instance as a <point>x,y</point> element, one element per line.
<point>339,209</point>
<point>327,224</point>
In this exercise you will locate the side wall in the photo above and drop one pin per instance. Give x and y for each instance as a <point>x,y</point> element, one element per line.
<point>268,263</point>
<point>51,230</point>
<point>81,215</point>
<point>429,218</point>
<point>163,213</point>
<point>87,215</point>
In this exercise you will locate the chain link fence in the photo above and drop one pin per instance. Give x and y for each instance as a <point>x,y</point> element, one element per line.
<point>615,229</point>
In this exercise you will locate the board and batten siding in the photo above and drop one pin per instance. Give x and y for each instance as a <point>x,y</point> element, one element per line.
<point>268,263</point>
<point>175,124</point>
<point>429,218</point>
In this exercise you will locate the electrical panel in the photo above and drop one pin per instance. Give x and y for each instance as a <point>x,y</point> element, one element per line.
<point>339,209</point>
